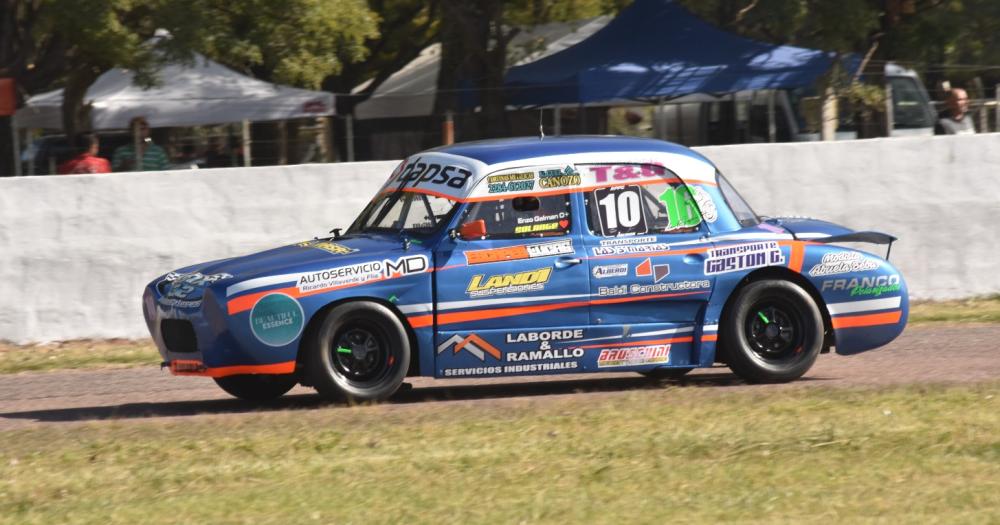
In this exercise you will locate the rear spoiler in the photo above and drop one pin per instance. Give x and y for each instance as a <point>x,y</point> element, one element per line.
<point>866,236</point>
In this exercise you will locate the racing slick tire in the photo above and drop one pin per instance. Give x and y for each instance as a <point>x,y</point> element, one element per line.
<point>666,373</point>
<point>257,387</point>
<point>772,333</point>
<point>361,352</point>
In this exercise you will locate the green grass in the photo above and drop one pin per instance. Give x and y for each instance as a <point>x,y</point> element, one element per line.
<point>900,455</point>
<point>114,353</point>
<point>976,310</point>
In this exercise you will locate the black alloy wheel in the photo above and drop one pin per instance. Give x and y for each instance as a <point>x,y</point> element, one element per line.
<point>772,332</point>
<point>360,352</point>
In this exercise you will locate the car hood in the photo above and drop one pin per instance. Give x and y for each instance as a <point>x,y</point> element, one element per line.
<point>189,283</point>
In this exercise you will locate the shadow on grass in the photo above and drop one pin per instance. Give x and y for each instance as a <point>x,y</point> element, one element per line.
<point>403,397</point>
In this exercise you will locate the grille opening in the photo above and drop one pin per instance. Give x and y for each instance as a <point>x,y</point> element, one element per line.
<point>178,335</point>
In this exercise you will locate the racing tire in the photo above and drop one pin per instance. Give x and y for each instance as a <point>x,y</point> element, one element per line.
<point>772,332</point>
<point>361,353</point>
<point>666,373</point>
<point>257,387</point>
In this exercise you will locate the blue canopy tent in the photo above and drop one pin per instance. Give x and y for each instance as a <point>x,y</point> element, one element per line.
<point>656,49</point>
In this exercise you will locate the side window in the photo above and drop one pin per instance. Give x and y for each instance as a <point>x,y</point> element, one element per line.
<point>519,217</point>
<point>633,209</point>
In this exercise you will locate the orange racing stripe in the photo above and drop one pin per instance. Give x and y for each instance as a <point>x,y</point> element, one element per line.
<point>797,256</point>
<point>199,369</point>
<point>421,321</point>
<point>854,321</point>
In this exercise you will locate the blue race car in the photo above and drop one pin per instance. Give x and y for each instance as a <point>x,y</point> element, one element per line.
<point>524,257</point>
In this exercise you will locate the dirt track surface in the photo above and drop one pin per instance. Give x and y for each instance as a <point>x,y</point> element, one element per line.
<point>958,353</point>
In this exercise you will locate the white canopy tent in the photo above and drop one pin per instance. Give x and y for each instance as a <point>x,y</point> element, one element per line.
<point>410,91</point>
<point>198,94</point>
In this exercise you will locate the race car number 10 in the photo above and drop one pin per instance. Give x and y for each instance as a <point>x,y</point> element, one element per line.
<point>620,210</point>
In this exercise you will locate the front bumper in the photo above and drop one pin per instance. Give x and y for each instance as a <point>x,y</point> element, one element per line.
<point>198,339</point>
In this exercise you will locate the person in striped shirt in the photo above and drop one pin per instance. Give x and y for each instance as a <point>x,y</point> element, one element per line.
<point>153,156</point>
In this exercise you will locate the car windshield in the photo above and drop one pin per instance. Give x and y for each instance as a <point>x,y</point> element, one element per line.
<point>404,212</point>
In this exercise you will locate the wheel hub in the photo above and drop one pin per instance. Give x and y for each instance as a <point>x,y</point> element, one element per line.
<point>359,355</point>
<point>774,331</point>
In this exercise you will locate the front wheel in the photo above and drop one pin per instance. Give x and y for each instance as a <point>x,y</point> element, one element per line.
<point>257,387</point>
<point>772,333</point>
<point>361,351</point>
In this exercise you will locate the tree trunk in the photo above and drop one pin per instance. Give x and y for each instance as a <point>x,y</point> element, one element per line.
<point>473,61</point>
<point>75,117</point>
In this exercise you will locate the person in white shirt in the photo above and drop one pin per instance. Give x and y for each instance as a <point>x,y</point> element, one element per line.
<point>955,120</point>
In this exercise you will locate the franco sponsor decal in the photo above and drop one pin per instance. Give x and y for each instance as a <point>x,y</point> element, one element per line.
<point>332,247</point>
<point>610,270</point>
<point>360,273</point>
<point>743,257</point>
<point>276,319</point>
<point>515,253</point>
<point>509,283</point>
<point>864,286</point>
<point>631,248</point>
<point>633,356</point>
<point>843,262</point>
<point>549,179</point>
<point>509,182</point>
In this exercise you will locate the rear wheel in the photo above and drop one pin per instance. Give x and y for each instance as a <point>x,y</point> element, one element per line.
<point>258,387</point>
<point>361,352</point>
<point>773,332</point>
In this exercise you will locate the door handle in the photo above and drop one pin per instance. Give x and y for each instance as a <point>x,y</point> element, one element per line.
<point>566,262</point>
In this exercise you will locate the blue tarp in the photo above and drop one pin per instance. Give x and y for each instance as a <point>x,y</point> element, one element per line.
<point>656,48</point>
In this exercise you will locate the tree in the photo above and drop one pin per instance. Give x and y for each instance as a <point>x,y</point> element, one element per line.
<point>474,48</point>
<point>69,43</point>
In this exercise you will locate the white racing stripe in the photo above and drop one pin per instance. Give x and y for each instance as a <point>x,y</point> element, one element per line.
<point>454,305</point>
<point>640,334</point>
<point>261,282</point>
<point>710,328</point>
<point>864,306</point>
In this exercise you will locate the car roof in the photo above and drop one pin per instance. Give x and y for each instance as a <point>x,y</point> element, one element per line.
<point>498,151</point>
<point>504,168</point>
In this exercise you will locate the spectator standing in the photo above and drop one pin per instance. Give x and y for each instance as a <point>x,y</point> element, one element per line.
<point>955,119</point>
<point>153,157</point>
<point>87,161</point>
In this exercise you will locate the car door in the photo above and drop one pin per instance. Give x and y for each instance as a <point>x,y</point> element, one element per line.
<point>520,271</point>
<point>647,241</point>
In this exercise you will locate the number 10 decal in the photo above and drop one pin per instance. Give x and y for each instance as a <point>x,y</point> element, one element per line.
<point>620,210</point>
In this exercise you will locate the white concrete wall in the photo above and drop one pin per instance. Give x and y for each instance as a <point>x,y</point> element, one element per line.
<point>76,251</point>
<point>939,195</point>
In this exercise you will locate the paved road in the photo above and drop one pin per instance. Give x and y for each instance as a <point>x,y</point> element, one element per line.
<point>957,353</point>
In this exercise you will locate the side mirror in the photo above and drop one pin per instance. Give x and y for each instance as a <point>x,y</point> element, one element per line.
<point>472,230</point>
